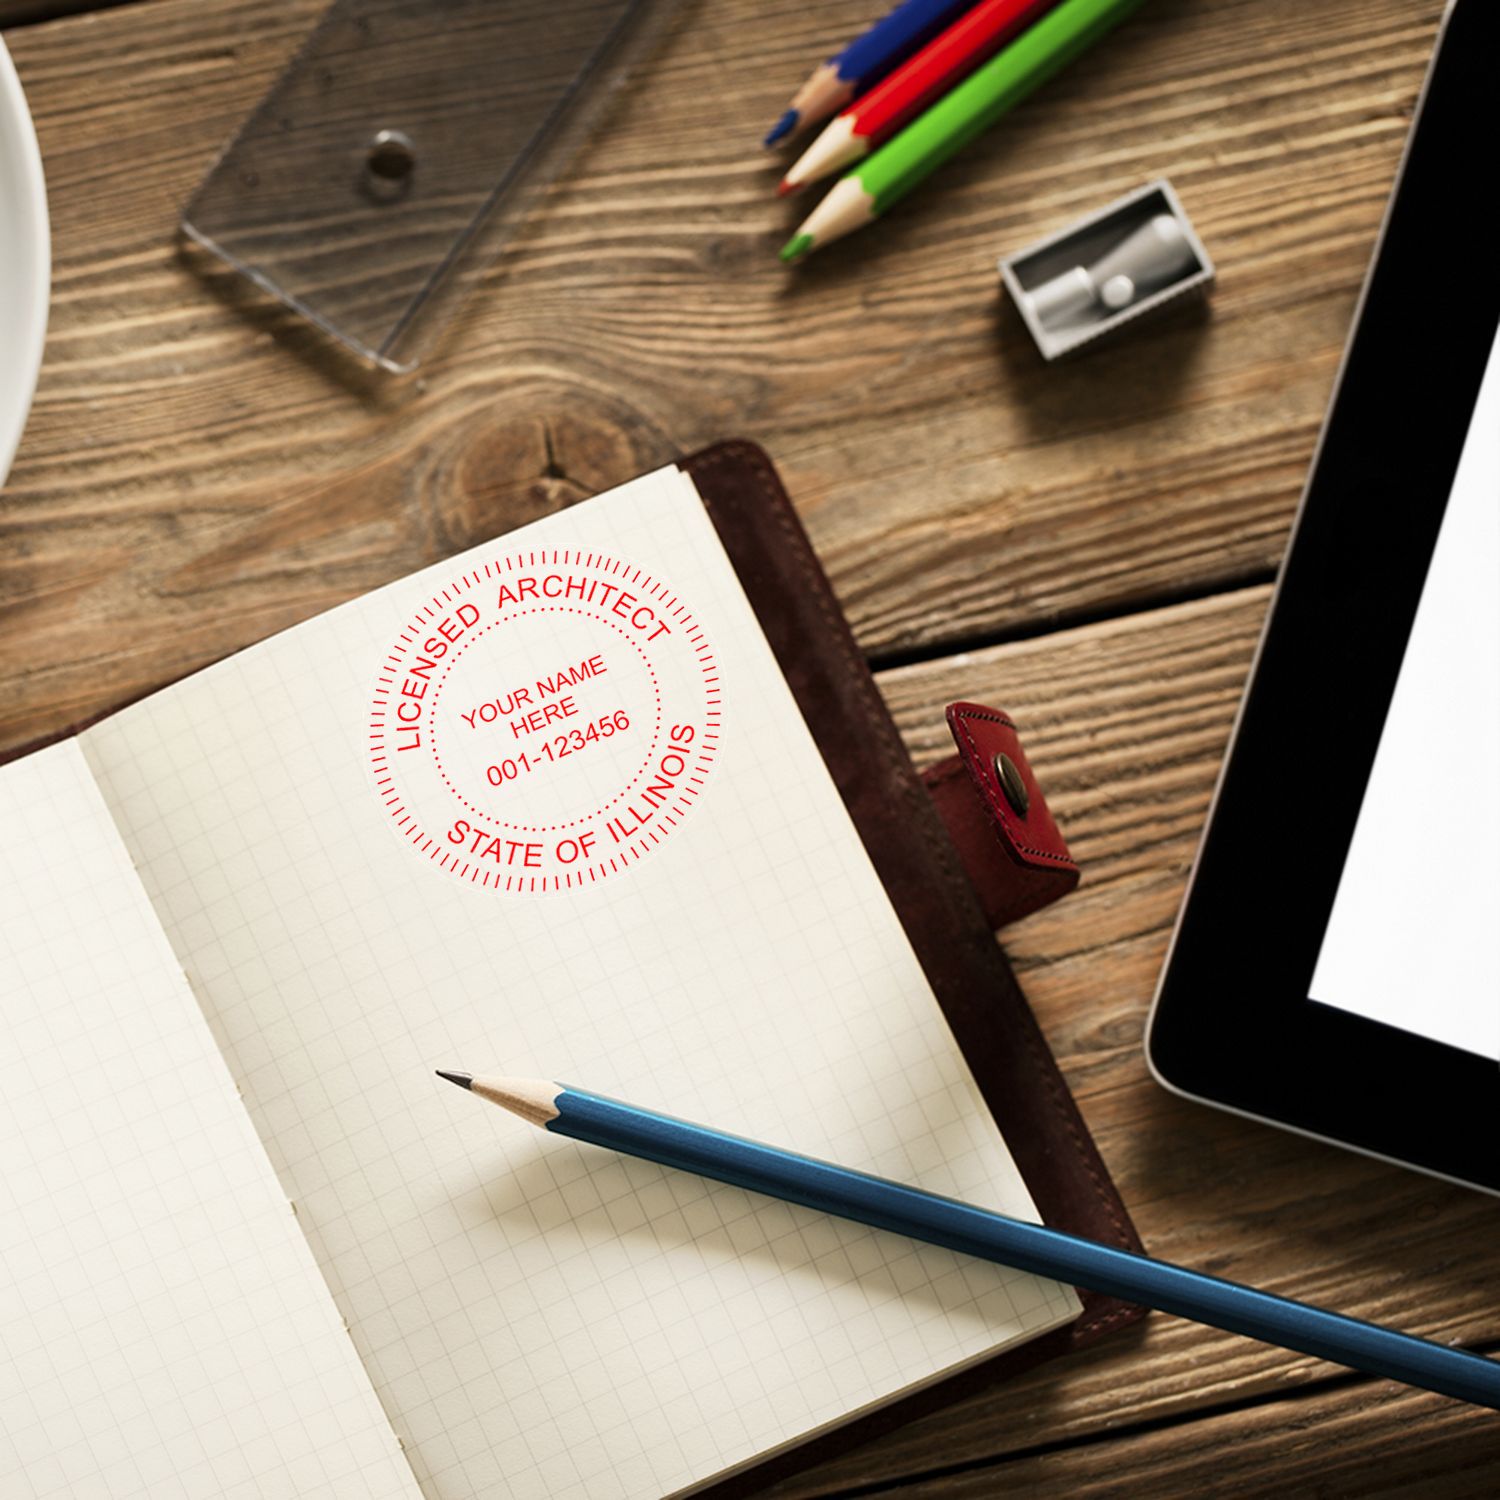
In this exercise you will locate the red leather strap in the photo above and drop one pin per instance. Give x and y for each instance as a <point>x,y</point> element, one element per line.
<point>1017,859</point>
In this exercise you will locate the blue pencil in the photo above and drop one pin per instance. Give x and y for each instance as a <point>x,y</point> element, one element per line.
<point>820,1185</point>
<point>866,60</point>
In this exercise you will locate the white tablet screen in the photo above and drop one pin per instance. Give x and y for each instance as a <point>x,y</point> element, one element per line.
<point>1413,940</point>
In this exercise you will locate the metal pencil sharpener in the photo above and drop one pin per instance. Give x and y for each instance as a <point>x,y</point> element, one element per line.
<point>1092,278</point>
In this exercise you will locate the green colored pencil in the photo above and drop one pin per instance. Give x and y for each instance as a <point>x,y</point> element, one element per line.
<point>896,168</point>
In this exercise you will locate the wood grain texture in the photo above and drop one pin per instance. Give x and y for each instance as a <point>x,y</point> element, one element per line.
<point>1385,1444</point>
<point>194,478</point>
<point>1125,723</point>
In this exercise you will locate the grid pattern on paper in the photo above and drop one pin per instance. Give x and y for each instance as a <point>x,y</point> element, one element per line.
<point>164,1331</point>
<point>540,1318</point>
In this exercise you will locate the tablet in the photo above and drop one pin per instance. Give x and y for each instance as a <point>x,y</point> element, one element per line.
<point>1336,964</point>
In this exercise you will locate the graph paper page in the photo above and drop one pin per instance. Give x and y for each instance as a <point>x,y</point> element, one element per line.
<point>164,1331</point>
<point>401,837</point>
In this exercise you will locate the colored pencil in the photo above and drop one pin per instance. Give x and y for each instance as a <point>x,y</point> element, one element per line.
<point>899,98</point>
<point>867,59</point>
<point>887,176</point>
<point>969,1230</point>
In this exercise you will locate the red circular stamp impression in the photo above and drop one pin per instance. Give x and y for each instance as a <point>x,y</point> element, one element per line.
<point>544,721</point>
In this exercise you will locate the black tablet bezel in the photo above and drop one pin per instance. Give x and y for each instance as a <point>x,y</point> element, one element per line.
<point>1233,1024</point>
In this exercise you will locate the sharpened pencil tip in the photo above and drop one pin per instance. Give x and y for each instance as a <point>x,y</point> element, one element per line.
<point>463,1080</point>
<point>782,128</point>
<point>786,187</point>
<point>796,248</point>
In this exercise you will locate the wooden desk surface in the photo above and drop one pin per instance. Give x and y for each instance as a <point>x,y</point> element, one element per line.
<point>1090,546</point>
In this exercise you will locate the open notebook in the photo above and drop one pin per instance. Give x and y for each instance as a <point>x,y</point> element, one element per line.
<point>548,808</point>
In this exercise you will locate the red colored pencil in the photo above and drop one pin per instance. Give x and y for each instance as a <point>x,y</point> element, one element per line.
<point>904,94</point>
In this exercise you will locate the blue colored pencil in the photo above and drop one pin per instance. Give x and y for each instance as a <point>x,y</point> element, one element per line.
<point>866,60</point>
<point>892,1206</point>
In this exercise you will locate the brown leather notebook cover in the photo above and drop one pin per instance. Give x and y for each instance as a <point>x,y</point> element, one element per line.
<point>936,903</point>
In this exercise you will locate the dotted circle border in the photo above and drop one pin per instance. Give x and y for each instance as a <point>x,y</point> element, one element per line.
<point>467,869</point>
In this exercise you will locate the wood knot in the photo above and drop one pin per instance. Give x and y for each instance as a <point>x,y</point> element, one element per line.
<point>515,464</point>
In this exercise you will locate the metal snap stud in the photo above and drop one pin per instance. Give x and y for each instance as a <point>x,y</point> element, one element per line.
<point>1012,783</point>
